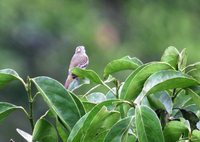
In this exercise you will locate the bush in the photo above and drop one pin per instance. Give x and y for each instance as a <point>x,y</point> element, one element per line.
<point>158,102</point>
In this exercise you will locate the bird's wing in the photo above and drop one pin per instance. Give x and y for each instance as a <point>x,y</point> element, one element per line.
<point>79,61</point>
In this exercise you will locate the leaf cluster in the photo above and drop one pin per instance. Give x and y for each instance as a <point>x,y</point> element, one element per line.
<point>158,102</point>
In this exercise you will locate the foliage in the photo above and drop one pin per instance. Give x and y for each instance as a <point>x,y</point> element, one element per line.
<point>158,102</point>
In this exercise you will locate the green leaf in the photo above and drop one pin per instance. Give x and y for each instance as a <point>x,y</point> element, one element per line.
<point>110,95</point>
<point>148,126</point>
<point>182,60</point>
<point>181,99</point>
<point>59,100</point>
<point>94,126</point>
<point>77,83</point>
<point>195,73</point>
<point>131,138</point>
<point>77,131</point>
<point>96,97</point>
<point>100,125</point>
<point>44,131</point>
<point>90,74</point>
<point>131,112</point>
<point>88,105</point>
<point>78,103</point>
<point>8,75</point>
<point>191,107</point>
<point>194,66</point>
<point>81,128</point>
<point>134,83</point>
<point>125,63</point>
<point>195,136</point>
<point>163,80</point>
<point>161,100</point>
<point>119,130</point>
<point>25,135</point>
<point>194,70</point>
<point>171,56</point>
<point>195,97</point>
<point>6,109</point>
<point>62,131</point>
<point>174,130</point>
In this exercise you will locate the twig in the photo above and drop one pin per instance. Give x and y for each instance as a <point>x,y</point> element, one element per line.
<point>30,99</point>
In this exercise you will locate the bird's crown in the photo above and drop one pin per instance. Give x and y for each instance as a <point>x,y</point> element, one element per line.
<point>80,49</point>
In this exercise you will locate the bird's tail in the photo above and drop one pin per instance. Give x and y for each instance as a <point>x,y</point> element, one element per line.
<point>68,81</point>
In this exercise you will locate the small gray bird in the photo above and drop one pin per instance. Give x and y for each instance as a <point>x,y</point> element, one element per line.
<point>79,59</point>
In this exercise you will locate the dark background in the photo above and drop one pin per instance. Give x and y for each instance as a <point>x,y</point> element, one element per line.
<point>38,37</point>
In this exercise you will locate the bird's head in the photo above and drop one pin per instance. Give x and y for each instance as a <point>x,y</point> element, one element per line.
<point>80,49</point>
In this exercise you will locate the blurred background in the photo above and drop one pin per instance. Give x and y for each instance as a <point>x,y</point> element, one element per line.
<point>39,38</point>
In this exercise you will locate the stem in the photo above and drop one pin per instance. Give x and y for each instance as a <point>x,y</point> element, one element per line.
<point>127,102</point>
<point>174,94</point>
<point>117,84</point>
<point>30,100</point>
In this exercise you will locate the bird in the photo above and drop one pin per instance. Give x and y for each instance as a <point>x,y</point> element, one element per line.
<point>80,60</point>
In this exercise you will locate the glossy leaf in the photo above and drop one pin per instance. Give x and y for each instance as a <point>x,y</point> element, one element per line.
<point>6,109</point>
<point>88,105</point>
<point>181,99</point>
<point>161,100</point>
<point>174,130</point>
<point>110,95</point>
<point>96,97</point>
<point>194,66</point>
<point>131,112</point>
<point>182,60</point>
<point>163,80</point>
<point>131,138</point>
<point>196,89</point>
<point>81,128</point>
<point>195,97</point>
<point>100,125</point>
<point>197,65</point>
<point>171,56</point>
<point>195,73</point>
<point>191,107</point>
<point>77,83</point>
<point>78,103</point>
<point>59,100</point>
<point>44,131</point>
<point>8,75</point>
<point>77,131</point>
<point>90,74</point>
<point>134,83</point>
<point>148,126</point>
<point>62,131</point>
<point>125,63</point>
<point>25,135</point>
<point>119,130</point>
<point>195,136</point>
